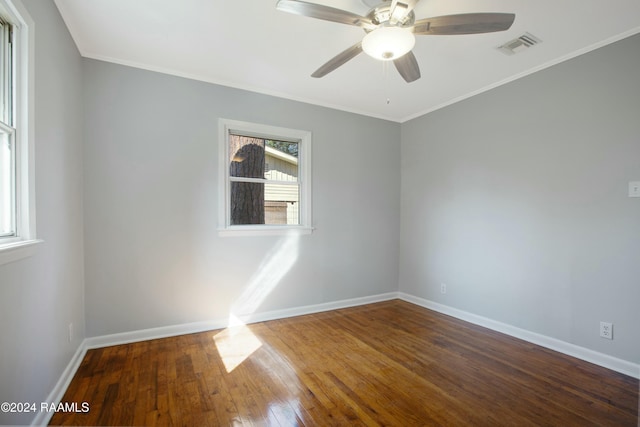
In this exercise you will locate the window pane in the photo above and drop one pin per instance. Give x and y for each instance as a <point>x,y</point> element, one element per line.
<point>271,204</point>
<point>281,166</point>
<point>7,186</point>
<point>286,147</point>
<point>247,203</point>
<point>246,157</point>
<point>282,203</point>
<point>6,77</point>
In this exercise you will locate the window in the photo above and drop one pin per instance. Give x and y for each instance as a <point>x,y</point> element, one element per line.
<point>265,177</point>
<point>7,134</point>
<point>17,216</point>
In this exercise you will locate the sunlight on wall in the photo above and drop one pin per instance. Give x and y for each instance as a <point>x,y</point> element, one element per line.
<point>237,343</point>
<point>273,268</point>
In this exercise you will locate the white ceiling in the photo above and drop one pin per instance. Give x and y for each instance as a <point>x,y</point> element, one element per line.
<point>248,44</point>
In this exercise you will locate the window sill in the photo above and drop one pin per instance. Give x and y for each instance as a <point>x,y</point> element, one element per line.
<point>15,251</point>
<point>249,230</point>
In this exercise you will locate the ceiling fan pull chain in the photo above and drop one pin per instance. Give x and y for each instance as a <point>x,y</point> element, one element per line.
<point>385,80</point>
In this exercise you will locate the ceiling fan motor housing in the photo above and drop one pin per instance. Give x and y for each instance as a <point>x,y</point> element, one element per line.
<point>381,15</point>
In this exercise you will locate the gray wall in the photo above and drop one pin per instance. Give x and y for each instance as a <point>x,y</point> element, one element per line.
<point>153,256</point>
<point>517,200</point>
<point>41,295</point>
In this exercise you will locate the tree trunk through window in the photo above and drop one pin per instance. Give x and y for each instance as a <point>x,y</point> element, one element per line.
<point>247,161</point>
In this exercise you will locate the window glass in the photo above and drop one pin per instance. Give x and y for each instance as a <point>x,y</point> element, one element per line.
<point>7,146</point>
<point>271,193</point>
<point>7,186</point>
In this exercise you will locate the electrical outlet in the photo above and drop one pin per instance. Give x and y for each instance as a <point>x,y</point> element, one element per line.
<point>634,189</point>
<point>443,288</point>
<point>70,332</point>
<point>606,330</point>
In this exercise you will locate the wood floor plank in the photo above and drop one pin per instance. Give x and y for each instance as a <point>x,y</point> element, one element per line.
<point>390,363</point>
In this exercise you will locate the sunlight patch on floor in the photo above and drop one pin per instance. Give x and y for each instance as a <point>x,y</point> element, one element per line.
<point>236,343</point>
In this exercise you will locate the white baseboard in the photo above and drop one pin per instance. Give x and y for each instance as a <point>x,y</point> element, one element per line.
<point>609,362</point>
<point>317,308</point>
<point>56,395</point>
<point>601,359</point>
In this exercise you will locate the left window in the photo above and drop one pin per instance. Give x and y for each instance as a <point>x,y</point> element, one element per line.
<point>17,215</point>
<point>7,134</point>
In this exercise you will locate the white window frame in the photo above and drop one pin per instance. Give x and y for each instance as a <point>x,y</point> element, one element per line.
<point>24,243</point>
<point>303,138</point>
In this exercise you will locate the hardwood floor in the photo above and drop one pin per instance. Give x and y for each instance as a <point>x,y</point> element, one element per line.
<point>390,363</point>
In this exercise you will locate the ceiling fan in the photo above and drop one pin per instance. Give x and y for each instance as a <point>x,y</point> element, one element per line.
<point>391,28</point>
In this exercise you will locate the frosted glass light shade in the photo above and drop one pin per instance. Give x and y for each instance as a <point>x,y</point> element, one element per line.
<point>388,43</point>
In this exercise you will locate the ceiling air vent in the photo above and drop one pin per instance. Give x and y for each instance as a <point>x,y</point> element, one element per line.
<point>523,42</point>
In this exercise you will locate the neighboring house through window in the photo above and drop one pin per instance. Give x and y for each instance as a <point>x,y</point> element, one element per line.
<point>265,179</point>
<point>17,196</point>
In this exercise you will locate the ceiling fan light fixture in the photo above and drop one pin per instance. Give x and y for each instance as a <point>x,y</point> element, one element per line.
<point>388,43</point>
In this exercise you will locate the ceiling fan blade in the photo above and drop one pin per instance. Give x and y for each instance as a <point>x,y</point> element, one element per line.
<point>469,23</point>
<point>338,60</point>
<point>400,9</point>
<point>326,13</point>
<point>407,66</point>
